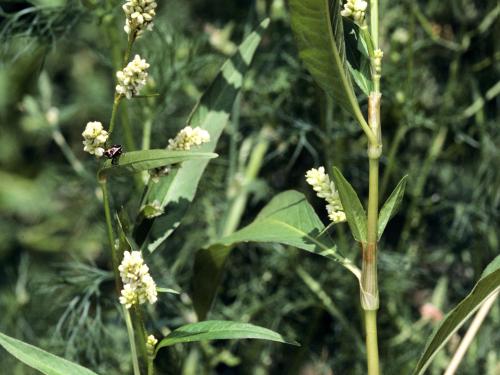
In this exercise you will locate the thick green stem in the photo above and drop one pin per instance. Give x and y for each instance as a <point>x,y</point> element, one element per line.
<point>374,22</point>
<point>371,342</point>
<point>369,279</point>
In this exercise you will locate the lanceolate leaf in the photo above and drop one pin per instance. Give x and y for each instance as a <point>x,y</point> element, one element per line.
<point>137,161</point>
<point>391,206</point>
<point>211,113</point>
<point>318,29</point>
<point>358,47</point>
<point>41,360</point>
<point>354,211</point>
<point>288,219</point>
<point>220,330</point>
<point>485,287</point>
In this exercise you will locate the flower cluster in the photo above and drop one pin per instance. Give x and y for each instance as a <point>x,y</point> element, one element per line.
<point>138,285</point>
<point>140,14</point>
<point>355,9</point>
<point>94,138</point>
<point>132,78</point>
<point>151,342</point>
<point>325,189</point>
<point>187,138</point>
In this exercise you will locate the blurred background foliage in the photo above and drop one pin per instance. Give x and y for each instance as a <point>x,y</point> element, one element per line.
<point>441,107</point>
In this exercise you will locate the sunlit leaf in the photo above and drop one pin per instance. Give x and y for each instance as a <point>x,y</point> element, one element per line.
<point>220,330</point>
<point>212,114</point>
<point>137,161</point>
<point>288,219</point>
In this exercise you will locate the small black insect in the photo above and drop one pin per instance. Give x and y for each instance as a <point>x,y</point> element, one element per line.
<point>114,153</point>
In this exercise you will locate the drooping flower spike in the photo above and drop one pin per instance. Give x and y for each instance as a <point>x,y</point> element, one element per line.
<point>325,189</point>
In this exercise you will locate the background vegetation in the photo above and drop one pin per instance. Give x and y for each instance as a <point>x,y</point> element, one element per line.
<point>440,126</point>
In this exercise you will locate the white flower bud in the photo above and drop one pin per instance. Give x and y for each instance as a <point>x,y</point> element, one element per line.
<point>94,138</point>
<point>189,137</point>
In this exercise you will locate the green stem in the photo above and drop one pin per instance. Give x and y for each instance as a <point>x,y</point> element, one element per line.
<point>116,104</point>
<point>374,22</point>
<point>369,280</point>
<point>130,42</point>
<point>371,342</point>
<point>127,129</point>
<point>131,339</point>
<point>374,35</point>
<point>151,369</point>
<point>140,334</point>
<point>111,237</point>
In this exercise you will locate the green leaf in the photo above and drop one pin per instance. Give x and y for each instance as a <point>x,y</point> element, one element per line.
<point>137,161</point>
<point>212,114</point>
<point>488,284</point>
<point>220,330</point>
<point>358,47</point>
<point>167,290</point>
<point>319,33</point>
<point>41,360</point>
<point>354,211</point>
<point>288,219</point>
<point>391,206</point>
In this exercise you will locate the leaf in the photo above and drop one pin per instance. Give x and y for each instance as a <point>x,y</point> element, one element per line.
<point>212,114</point>
<point>317,26</point>
<point>41,360</point>
<point>220,330</point>
<point>136,161</point>
<point>167,290</point>
<point>391,206</point>
<point>354,211</point>
<point>358,47</point>
<point>288,219</point>
<point>488,284</point>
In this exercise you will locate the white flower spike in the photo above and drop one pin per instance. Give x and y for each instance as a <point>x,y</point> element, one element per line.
<point>138,285</point>
<point>94,138</point>
<point>132,78</point>
<point>189,137</point>
<point>325,189</point>
<point>356,10</point>
<point>140,14</point>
